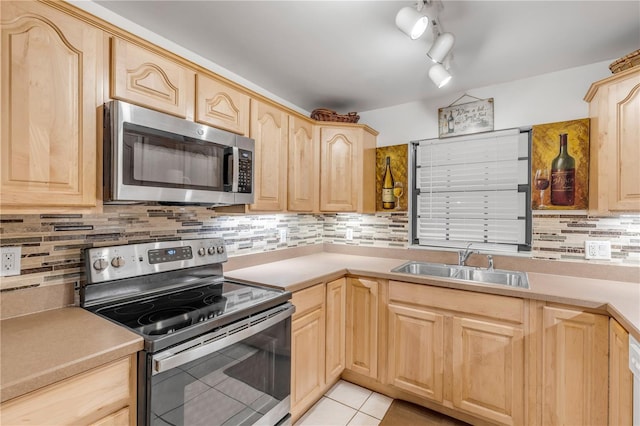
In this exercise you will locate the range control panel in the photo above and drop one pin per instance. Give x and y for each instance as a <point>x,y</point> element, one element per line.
<point>131,260</point>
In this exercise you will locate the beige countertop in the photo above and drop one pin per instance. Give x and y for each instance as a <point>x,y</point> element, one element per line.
<point>620,299</point>
<point>46,347</point>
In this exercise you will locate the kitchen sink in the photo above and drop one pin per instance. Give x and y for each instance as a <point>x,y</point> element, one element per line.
<point>467,273</point>
<point>421,268</point>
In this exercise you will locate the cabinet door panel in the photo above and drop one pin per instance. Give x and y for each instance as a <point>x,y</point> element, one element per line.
<point>307,360</point>
<point>144,78</point>
<point>303,166</point>
<point>51,76</point>
<point>488,370</point>
<point>362,326</point>
<point>340,166</point>
<point>336,318</point>
<point>624,189</point>
<point>620,377</point>
<point>269,128</point>
<point>575,367</point>
<point>416,351</point>
<point>221,106</point>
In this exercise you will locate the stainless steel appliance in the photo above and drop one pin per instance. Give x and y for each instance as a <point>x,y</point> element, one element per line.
<point>151,156</point>
<point>216,352</point>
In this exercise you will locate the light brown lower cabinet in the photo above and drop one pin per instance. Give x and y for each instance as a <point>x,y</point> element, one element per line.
<point>362,326</point>
<point>461,349</point>
<point>620,377</point>
<point>103,396</point>
<point>335,329</point>
<point>307,349</point>
<point>575,367</point>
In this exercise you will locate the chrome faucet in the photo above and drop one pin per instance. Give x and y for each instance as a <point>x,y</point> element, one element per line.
<point>490,260</point>
<point>463,255</point>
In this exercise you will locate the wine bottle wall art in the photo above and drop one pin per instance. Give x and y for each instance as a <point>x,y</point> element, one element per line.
<point>560,165</point>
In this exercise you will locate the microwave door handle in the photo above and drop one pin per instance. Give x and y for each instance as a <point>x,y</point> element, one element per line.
<point>235,168</point>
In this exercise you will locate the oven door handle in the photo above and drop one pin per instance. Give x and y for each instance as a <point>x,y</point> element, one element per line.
<point>233,333</point>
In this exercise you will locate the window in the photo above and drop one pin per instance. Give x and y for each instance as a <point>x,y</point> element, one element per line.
<point>472,189</point>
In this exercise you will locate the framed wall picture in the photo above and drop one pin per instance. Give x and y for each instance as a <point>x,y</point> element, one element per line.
<point>466,119</point>
<point>560,165</point>
<point>397,200</point>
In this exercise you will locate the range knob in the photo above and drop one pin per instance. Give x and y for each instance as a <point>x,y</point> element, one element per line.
<point>220,249</point>
<point>211,250</point>
<point>201,251</point>
<point>100,265</point>
<point>117,262</point>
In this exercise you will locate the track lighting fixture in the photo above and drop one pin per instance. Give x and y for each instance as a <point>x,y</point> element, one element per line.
<point>441,47</point>
<point>439,75</point>
<point>411,22</point>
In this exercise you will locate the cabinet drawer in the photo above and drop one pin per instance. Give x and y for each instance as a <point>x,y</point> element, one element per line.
<point>85,398</point>
<point>308,299</point>
<point>485,305</point>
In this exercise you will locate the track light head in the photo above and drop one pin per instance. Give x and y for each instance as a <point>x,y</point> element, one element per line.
<point>439,75</point>
<point>441,47</point>
<point>411,22</point>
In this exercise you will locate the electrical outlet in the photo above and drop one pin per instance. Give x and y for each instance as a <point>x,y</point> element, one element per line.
<point>10,258</point>
<point>283,235</point>
<point>349,234</point>
<point>597,250</point>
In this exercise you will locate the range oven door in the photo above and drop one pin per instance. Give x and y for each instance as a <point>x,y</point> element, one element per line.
<point>239,374</point>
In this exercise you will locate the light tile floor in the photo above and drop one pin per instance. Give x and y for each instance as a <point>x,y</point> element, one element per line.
<point>347,404</point>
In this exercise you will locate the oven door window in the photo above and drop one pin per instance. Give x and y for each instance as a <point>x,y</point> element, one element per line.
<point>245,383</point>
<point>160,159</point>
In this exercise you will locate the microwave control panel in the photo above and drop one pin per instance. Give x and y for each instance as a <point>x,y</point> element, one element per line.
<point>244,172</point>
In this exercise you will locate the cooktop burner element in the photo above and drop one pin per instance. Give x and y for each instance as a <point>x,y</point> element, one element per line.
<point>176,297</point>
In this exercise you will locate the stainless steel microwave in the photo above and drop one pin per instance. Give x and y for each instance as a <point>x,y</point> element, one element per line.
<point>151,156</point>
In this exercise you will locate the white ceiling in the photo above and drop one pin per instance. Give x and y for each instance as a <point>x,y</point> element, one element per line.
<point>349,55</point>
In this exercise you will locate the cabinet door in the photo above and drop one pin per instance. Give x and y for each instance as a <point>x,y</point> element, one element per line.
<point>416,351</point>
<point>574,367</point>
<point>488,370</point>
<point>624,134</point>
<point>307,357</point>
<point>51,93</point>
<point>303,167</point>
<point>269,128</point>
<point>145,78</point>
<point>362,326</point>
<point>336,318</point>
<point>340,168</point>
<point>620,377</point>
<point>221,106</point>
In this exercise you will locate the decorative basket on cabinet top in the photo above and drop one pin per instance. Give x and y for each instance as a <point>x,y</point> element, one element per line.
<point>626,62</point>
<point>324,114</point>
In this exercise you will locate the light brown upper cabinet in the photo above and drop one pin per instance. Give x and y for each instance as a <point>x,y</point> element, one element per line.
<point>347,168</point>
<point>270,129</point>
<point>304,152</point>
<point>51,93</point>
<point>614,175</point>
<point>145,78</point>
<point>220,105</point>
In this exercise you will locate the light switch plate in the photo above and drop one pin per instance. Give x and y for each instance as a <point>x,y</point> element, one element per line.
<point>283,235</point>
<point>10,261</point>
<point>597,250</point>
<point>349,234</point>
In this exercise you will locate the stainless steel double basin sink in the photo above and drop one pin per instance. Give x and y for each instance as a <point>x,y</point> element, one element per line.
<point>467,273</point>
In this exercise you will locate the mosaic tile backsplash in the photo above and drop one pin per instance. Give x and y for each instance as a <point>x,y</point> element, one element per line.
<point>52,243</point>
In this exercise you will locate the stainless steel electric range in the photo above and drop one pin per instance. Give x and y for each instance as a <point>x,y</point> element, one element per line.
<point>216,352</point>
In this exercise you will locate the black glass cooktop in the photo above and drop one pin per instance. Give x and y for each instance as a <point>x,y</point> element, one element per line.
<point>169,312</point>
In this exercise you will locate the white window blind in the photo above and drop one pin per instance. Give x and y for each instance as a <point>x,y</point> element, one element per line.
<point>473,189</point>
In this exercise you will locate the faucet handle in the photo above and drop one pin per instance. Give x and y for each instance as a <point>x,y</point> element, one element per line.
<point>490,260</point>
